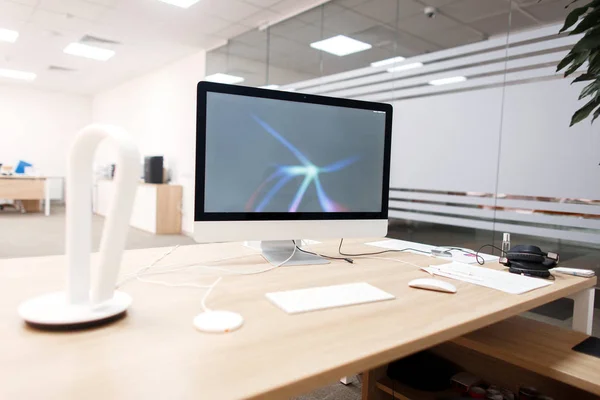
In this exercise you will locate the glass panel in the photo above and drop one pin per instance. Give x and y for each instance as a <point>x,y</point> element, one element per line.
<point>244,56</point>
<point>548,192</point>
<point>454,94</point>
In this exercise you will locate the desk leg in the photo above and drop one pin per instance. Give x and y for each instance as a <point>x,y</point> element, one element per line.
<point>369,390</point>
<point>346,380</point>
<point>583,310</point>
<point>47,197</point>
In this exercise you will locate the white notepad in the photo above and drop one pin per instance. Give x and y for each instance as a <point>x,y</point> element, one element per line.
<point>319,298</point>
<point>491,278</point>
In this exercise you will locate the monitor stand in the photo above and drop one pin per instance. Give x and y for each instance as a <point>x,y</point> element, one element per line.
<point>277,251</point>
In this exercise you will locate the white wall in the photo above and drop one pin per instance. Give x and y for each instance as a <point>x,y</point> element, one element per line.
<point>459,134</point>
<point>159,110</point>
<point>541,155</point>
<point>447,143</point>
<point>38,127</point>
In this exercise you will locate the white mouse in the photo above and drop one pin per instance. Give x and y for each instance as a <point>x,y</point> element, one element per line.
<point>432,284</point>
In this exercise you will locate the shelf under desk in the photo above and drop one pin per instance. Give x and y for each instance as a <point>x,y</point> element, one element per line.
<point>539,347</point>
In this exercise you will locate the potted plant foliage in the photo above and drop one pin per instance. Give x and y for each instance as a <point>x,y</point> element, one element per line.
<point>585,50</point>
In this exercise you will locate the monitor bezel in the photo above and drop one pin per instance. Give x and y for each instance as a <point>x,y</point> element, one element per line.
<point>200,215</point>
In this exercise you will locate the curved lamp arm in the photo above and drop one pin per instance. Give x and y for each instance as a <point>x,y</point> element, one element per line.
<point>79,213</point>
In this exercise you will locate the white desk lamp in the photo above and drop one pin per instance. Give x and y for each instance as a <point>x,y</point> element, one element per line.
<point>84,303</point>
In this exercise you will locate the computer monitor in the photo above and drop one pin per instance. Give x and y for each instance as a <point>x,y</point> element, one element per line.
<point>276,166</point>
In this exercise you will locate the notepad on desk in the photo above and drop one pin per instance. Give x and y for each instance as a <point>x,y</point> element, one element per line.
<point>491,278</point>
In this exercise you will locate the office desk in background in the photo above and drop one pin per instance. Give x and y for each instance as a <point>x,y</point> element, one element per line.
<point>29,189</point>
<point>155,353</point>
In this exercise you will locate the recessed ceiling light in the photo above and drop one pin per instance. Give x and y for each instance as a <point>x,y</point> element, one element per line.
<point>224,78</point>
<point>340,45</point>
<point>93,52</point>
<point>405,67</point>
<point>181,3</point>
<point>387,61</point>
<point>271,87</point>
<point>14,74</point>
<point>447,81</point>
<point>6,35</point>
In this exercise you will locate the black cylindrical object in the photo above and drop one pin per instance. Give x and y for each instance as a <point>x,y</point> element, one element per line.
<point>153,169</point>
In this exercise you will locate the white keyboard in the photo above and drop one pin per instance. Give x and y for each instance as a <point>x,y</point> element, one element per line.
<point>319,298</point>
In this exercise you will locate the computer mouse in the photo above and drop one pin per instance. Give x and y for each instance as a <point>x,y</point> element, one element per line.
<point>432,284</point>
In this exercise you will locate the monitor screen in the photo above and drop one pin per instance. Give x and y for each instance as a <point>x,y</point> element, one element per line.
<point>271,155</point>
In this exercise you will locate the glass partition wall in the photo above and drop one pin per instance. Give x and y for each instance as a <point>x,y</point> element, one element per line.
<point>481,116</point>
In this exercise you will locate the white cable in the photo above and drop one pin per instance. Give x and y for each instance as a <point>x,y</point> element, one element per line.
<point>395,259</point>
<point>237,272</point>
<point>167,269</point>
<point>168,284</point>
<point>144,271</point>
<point>140,271</point>
<point>210,289</point>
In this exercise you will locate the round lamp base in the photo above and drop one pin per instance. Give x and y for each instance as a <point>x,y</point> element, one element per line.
<point>218,321</point>
<point>52,311</point>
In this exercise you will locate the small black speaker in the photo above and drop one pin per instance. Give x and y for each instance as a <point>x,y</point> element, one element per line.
<point>153,169</point>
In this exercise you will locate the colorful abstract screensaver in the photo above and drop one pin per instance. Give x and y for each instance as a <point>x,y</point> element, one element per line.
<point>275,156</point>
<point>286,174</point>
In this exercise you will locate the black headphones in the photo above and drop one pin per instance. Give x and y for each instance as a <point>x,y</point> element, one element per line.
<point>529,260</point>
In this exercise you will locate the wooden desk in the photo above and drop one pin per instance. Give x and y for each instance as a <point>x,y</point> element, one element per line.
<point>155,353</point>
<point>28,189</point>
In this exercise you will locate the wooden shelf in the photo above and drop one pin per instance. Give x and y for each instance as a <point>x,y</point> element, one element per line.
<point>403,392</point>
<point>539,347</point>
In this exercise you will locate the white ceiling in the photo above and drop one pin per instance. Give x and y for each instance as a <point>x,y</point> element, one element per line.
<point>150,34</point>
<point>458,22</point>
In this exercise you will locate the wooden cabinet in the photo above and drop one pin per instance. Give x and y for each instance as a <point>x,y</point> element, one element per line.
<point>29,190</point>
<point>157,207</point>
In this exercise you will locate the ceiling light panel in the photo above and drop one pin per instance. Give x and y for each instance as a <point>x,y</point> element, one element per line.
<point>405,67</point>
<point>6,35</point>
<point>181,3</point>
<point>340,45</point>
<point>448,81</point>
<point>15,74</point>
<point>224,78</point>
<point>92,52</point>
<point>271,87</point>
<point>387,61</point>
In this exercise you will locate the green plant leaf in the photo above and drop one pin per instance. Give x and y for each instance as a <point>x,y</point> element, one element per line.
<point>584,77</point>
<point>577,62</point>
<point>573,17</point>
<point>590,89</point>
<point>589,21</point>
<point>596,115</point>
<point>566,61</point>
<point>594,63</point>
<point>585,111</point>
<point>590,41</point>
<point>591,4</point>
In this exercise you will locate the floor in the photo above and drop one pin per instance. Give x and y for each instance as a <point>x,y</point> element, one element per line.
<point>33,234</point>
<point>36,235</point>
